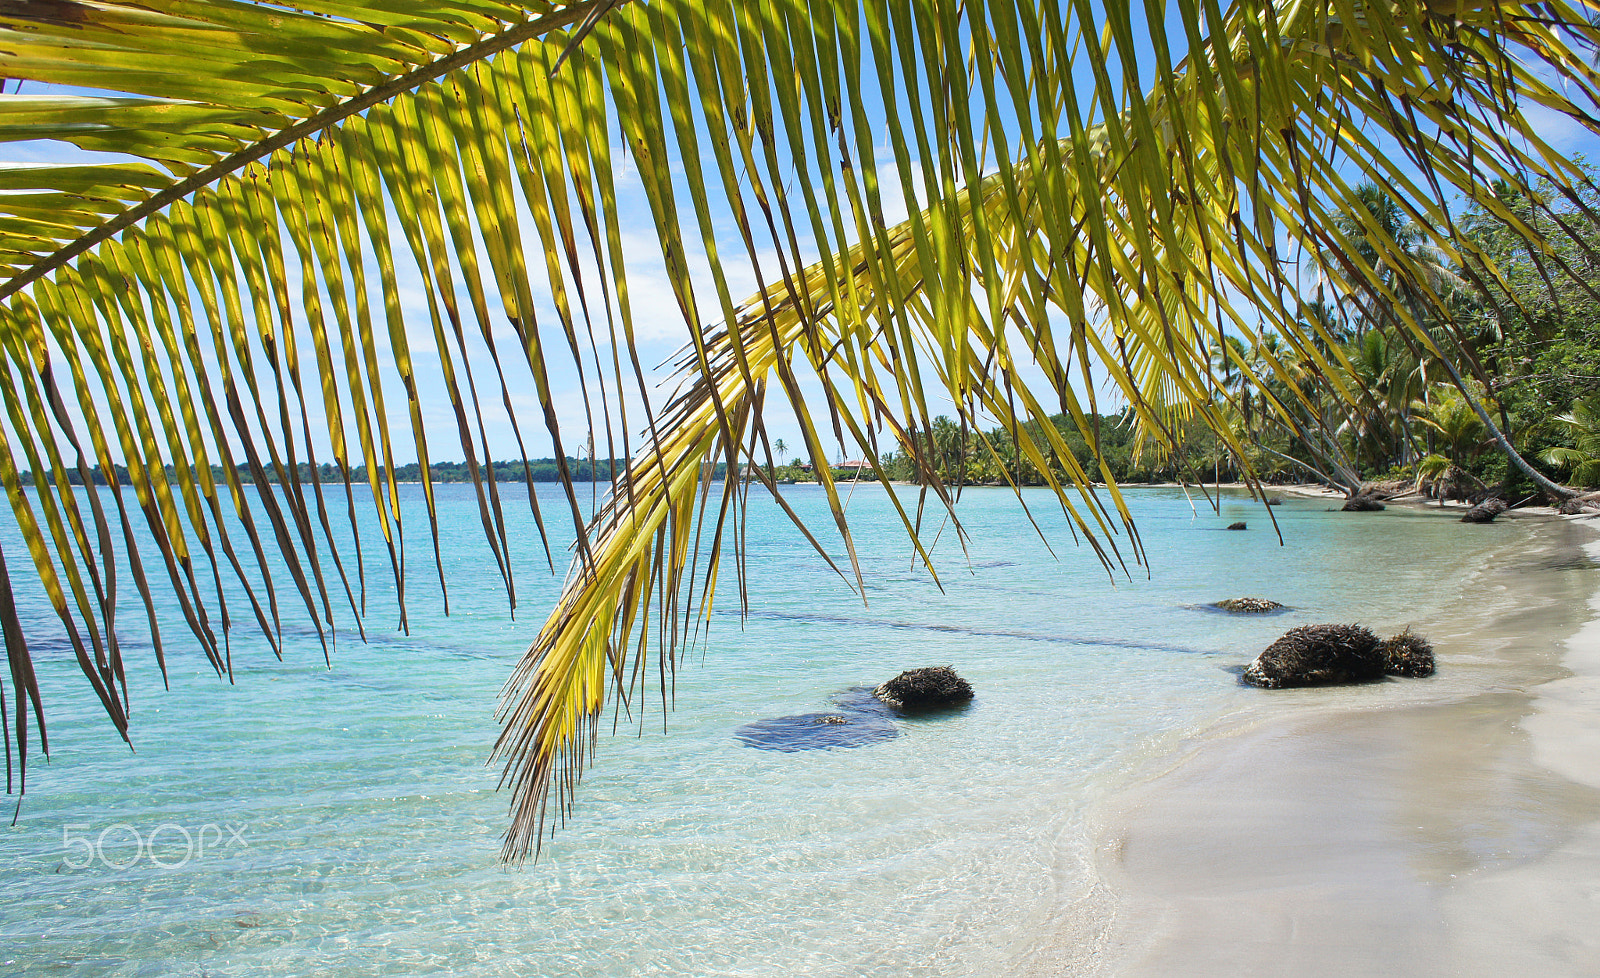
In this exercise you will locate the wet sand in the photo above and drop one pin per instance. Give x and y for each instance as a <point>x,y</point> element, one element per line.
<point>1334,832</point>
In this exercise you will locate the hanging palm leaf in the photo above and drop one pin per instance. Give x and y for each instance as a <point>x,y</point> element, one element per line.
<point>1107,193</point>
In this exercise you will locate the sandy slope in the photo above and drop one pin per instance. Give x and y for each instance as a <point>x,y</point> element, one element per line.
<point>1339,835</point>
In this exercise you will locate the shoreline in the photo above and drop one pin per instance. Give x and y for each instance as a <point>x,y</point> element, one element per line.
<point>1344,832</point>
<point>1537,918</point>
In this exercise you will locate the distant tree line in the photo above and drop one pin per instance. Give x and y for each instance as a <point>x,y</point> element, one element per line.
<point>960,457</point>
<point>964,458</point>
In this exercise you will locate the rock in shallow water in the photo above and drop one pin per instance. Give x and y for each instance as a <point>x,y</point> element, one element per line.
<point>860,720</point>
<point>865,715</point>
<point>1248,606</point>
<point>1318,655</point>
<point>925,689</point>
<point>816,731</point>
<point>1362,504</point>
<point>1241,525</point>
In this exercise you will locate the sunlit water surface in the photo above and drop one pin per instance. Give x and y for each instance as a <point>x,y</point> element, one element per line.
<point>342,821</point>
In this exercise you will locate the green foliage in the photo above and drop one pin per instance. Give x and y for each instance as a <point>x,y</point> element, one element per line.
<point>1536,323</point>
<point>992,458</point>
<point>1525,318</point>
<point>1581,427</point>
<point>1457,426</point>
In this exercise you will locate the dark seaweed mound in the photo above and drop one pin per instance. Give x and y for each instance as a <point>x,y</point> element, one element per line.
<point>925,689</point>
<point>1318,655</point>
<point>1248,606</point>
<point>1408,654</point>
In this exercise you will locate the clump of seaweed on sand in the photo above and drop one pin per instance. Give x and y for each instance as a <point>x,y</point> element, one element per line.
<point>1408,654</point>
<point>1327,655</point>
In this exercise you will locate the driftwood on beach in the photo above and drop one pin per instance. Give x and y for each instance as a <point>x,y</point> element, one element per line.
<point>1362,504</point>
<point>1486,511</point>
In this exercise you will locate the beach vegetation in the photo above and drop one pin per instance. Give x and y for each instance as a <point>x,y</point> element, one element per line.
<point>1522,317</point>
<point>1579,455</point>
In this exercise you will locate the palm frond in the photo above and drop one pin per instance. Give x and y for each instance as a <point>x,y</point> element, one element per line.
<point>1104,195</point>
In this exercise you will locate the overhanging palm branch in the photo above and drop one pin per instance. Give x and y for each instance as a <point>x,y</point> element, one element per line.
<point>1110,192</point>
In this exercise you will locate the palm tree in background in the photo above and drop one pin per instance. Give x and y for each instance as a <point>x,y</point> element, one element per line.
<point>193,309</point>
<point>1581,427</point>
<point>1384,369</point>
<point>1403,328</point>
<point>1380,236</point>
<point>1461,435</point>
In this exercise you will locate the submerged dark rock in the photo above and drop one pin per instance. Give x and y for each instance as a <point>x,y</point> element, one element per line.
<point>1486,511</point>
<point>858,720</point>
<point>1248,606</point>
<point>1275,501</point>
<point>1362,504</point>
<point>816,731</point>
<point>1238,526</point>
<point>925,689</point>
<point>1318,655</point>
<point>1407,654</point>
<point>862,715</point>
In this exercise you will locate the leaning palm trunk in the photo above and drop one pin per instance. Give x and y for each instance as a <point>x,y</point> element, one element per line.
<point>1102,232</point>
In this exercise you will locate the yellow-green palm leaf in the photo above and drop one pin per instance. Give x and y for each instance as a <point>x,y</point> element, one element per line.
<point>1106,193</point>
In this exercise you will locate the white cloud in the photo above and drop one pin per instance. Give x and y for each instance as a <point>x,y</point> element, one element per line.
<point>1561,131</point>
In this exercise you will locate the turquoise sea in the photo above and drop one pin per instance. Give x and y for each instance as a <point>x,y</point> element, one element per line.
<point>343,821</point>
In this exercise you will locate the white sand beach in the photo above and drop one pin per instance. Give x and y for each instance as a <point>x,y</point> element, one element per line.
<point>1366,831</point>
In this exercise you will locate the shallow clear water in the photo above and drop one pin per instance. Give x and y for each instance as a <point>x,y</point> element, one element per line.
<point>349,825</point>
